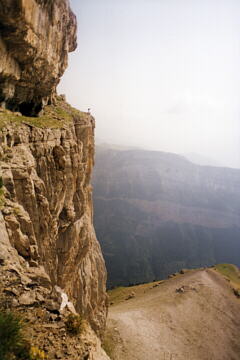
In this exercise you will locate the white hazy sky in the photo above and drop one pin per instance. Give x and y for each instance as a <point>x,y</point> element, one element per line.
<point>160,74</point>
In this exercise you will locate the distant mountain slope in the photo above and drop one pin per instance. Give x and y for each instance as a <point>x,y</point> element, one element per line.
<point>202,160</point>
<point>157,212</point>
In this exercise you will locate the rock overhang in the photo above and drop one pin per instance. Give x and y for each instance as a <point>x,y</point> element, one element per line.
<point>35,39</point>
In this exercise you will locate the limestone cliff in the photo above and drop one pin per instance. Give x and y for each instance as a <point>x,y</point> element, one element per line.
<point>48,210</point>
<point>50,260</point>
<point>35,38</point>
<point>47,206</point>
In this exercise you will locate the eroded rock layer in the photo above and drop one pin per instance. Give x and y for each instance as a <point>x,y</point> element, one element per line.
<point>48,203</point>
<point>35,38</point>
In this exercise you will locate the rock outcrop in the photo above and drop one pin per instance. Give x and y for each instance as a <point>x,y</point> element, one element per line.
<point>35,38</point>
<point>48,206</point>
<point>46,229</point>
<point>50,260</point>
<point>28,291</point>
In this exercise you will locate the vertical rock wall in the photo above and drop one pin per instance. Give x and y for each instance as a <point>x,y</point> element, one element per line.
<point>46,161</point>
<point>48,208</point>
<point>35,38</point>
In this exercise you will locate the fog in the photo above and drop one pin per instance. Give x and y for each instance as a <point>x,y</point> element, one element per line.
<point>160,74</point>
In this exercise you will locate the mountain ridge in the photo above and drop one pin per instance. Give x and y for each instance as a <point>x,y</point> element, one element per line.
<point>147,203</point>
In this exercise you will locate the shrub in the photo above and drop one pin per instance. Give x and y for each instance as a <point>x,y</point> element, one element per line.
<point>73,324</point>
<point>22,351</point>
<point>13,344</point>
<point>10,334</point>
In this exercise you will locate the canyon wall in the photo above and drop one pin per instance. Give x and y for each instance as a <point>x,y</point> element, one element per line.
<point>48,206</point>
<point>48,248</point>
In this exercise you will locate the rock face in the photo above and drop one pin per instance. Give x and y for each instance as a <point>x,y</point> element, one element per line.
<point>50,261</point>
<point>48,208</point>
<point>29,292</point>
<point>35,38</point>
<point>156,213</point>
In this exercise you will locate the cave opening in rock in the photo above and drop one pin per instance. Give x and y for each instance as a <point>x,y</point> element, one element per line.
<point>30,108</point>
<point>25,108</point>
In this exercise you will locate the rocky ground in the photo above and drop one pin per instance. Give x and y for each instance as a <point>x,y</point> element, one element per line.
<point>194,316</point>
<point>29,295</point>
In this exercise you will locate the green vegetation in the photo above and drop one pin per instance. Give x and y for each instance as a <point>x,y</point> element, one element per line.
<point>121,293</point>
<point>10,334</point>
<point>230,272</point>
<point>54,116</point>
<point>74,324</point>
<point>13,343</point>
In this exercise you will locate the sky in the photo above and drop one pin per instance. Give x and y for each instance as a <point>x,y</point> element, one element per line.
<point>160,74</point>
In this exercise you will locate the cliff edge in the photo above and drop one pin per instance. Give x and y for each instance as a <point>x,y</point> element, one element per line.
<point>51,265</point>
<point>192,315</point>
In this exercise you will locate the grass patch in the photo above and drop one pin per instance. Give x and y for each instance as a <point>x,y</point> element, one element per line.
<point>120,294</point>
<point>13,341</point>
<point>231,272</point>
<point>10,334</point>
<point>54,116</point>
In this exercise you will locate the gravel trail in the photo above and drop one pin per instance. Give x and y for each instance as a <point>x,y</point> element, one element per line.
<point>199,322</point>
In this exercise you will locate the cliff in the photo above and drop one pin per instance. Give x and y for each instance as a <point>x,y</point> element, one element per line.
<point>51,265</point>
<point>47,236</point>
<point>35,38</point>
<point>47,212</point>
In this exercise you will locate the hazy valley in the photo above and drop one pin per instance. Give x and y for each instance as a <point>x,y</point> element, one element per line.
<point>157,212</point>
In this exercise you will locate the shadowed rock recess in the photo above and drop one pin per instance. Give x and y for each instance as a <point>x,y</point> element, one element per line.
<point>51,264</point>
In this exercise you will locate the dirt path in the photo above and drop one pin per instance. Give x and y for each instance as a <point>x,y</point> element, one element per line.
<point>200,323</point>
